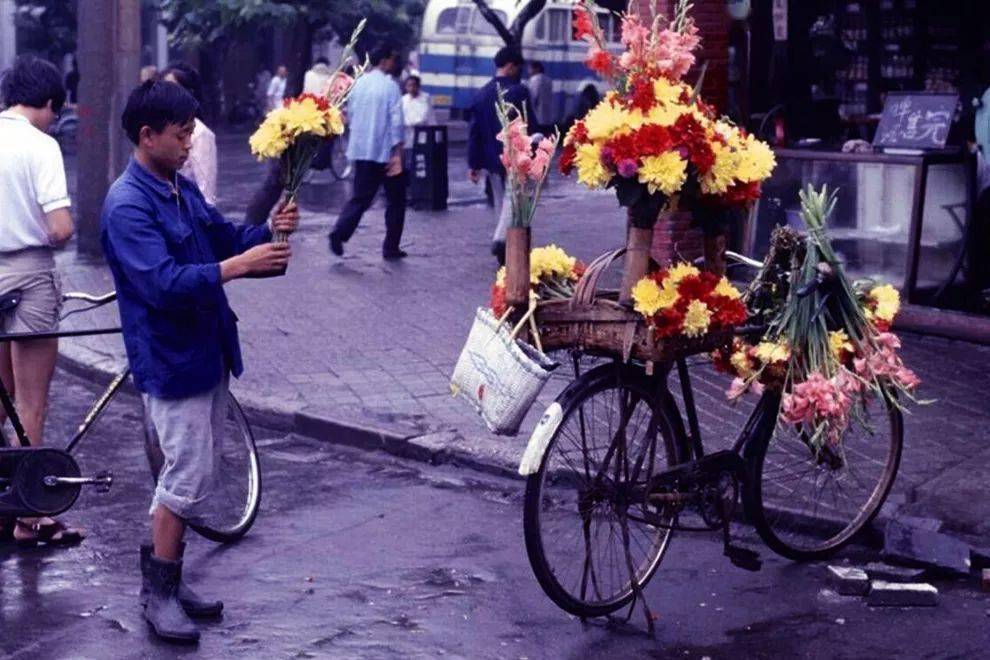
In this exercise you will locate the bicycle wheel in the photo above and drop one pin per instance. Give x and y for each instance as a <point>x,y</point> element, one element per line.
<point>579,506</point>
<point>808,507</point>
<point>232,507</point>
<point>339,164</point>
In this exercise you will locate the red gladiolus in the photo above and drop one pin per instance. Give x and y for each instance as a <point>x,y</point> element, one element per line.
<point>582,23</point>
<point>600,61</point>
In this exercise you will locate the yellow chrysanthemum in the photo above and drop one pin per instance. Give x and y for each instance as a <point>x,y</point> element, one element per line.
<point>500,276</point>
<point>678,272</point>
<point>740,362</point>
<point>550,261</point>
<point>755,161</point>
<point>304,116</point>
<point>839,342</point>
<point>725,288</point>
<point>664,115</point>
<point>335,122</point>
<point>668,295</point>
<point>591,172</point>
<point>723,173</point>
<point>697,318</point>
<point>268,141</point>
<point>605,119</point>
<point>666,173</point>
<point>888,301</point>
<point>646,297</point>
<point>668,92</point>
<point>768,352</point>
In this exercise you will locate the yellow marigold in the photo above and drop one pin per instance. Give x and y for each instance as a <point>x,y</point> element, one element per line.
<point>768,352</point>
<point>697,318</point>
<point>725,288</point>
<point>678,272</point>
<point>888,301</point>
<point>605,119</point>
<point>740,362</point>
<point>839,342</point>
<point>268,141</point>
<point>756,161</point>
<point>646,297</point>
<point>591,172</point>
<point>723,173</point>
<point>666,173</point>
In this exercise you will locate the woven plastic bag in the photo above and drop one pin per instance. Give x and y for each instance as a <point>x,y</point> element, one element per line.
<point>499,375</point>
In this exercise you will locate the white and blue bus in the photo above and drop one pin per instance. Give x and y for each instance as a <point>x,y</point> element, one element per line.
<point>457,47</point>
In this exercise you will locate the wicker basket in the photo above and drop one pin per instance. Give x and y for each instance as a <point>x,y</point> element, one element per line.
<point>593,321</point>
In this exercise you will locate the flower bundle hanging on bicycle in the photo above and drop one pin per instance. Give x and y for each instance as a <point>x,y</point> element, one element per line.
<point>616,464</point>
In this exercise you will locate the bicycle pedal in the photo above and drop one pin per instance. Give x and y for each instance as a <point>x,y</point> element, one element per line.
<point>744,558</point>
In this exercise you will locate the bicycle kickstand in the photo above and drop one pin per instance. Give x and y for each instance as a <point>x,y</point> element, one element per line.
<point>739,556</point>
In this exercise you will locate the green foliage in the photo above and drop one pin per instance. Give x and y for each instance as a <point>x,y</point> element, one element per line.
<point>46,27</point>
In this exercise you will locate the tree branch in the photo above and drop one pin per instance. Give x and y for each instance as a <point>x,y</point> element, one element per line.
<point>490,16</point>
<point>528,13</point>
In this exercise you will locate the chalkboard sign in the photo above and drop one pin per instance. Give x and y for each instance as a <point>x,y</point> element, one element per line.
<point>915,120</point>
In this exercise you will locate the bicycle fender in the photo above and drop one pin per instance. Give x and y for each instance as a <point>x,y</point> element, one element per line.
<point>538,441</point>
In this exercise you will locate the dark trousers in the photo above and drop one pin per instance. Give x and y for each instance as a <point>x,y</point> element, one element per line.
<point>369,176</point>
<point>266,197</point>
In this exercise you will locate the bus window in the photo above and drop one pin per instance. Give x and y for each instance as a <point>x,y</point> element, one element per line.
<point>610,25</point>
<point>447,21</point>
<point>479,25</point>
<point>560,25</point>
<point>541,28</point>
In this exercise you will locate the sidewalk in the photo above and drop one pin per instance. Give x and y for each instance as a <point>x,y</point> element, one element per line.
<point>359,350</point>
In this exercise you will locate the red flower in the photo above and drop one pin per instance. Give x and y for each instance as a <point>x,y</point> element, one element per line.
<point>321,101</point>
<point>741,194</point>
<point>697,287</point>
<point>499,305</point>
<point>668,322</point>
<point>566,163</point>
<point>652,140</point>
<point>579,268</point>
<point>727,312</point>
<point>689,134</point>
<point>721,359</point>
<point>579,133</point>
<point>642,95</point>
<point>622,147</point>
<point>582,23</point>
<point>600,61</point>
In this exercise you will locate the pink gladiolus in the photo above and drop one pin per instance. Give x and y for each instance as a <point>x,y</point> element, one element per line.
<point>338,86</point>
<point>540,163</point>
<point>546,145</point>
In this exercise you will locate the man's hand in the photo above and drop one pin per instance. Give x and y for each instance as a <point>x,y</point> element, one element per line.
<point>286,218</point>
<point>60,227</point>
<point>474,175</point>
<point>265,259</point>
<point>394,166</point>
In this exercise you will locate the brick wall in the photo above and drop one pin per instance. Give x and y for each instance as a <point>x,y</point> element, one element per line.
<point>713,21</point>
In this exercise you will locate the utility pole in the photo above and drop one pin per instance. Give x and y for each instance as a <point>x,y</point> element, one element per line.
<point>109,62</point>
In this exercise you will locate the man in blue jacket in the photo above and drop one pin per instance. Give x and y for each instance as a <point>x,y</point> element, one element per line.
<point>484,149</point>
<point>170,254</point>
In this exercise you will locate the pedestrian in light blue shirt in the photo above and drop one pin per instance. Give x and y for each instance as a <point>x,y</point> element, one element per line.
<point>374,111</point>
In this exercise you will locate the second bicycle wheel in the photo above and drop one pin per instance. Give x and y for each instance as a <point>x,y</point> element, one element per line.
<point>233,506</point>
<point>808,506</point>
<point>583,507</point>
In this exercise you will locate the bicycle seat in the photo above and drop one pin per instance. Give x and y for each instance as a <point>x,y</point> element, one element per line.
<point>10,300</point>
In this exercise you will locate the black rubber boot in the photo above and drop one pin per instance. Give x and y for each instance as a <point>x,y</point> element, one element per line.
<point>193,605</point>
<point>163,611</point>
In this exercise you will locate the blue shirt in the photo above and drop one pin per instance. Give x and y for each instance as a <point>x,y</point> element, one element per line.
<point>164,248</point>
<point>484,149</point>
<point>374,111</point>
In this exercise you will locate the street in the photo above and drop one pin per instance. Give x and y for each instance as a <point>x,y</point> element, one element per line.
<point>361,555</point>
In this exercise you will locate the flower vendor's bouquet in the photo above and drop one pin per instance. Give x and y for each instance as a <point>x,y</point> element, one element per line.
<point>652,137</point>
<point>552,276</point>
<point>684,301</point>
<point>295,132</point>
<point>526,161</point>
<point>828,346</point>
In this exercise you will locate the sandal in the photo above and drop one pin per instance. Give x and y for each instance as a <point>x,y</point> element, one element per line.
<point>46,530</point>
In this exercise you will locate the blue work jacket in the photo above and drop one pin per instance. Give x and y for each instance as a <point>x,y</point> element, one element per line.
<point>164,246</point>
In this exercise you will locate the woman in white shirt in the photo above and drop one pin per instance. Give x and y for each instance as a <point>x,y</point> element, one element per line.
<point>416,109</point>
<point>35,221</point>
<point>201,166</point>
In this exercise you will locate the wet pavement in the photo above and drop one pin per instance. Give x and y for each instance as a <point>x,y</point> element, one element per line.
<point>362,555</point>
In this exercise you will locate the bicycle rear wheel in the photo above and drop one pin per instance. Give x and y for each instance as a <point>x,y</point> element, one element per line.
<point>808,507</point>
<point>585,536</point>
<point>233,506</point>
<point>339,164</point>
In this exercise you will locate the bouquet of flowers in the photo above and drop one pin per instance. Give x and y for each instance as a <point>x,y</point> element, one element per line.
<point>552,275</point>
<point>526,161</point>
<point>652,137</point>
<point>829,347</point>
<point>683,301</point>
<point>294,133</point>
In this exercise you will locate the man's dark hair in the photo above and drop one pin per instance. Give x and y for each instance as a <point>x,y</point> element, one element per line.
<point>381,51</point>
<point>322,60</point>
<point>188,77</point>
<point>536,66</point>
<point>156,104</point>
<point>419,81</point>
<point>33,82</point>
<point>508,55</point>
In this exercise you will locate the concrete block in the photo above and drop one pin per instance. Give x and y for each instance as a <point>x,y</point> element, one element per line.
<point>890,594</point>
<point>985,579</point>
<point>979,557</point>
<point>929,524</point>
<point>887,573</point>
<point>848,581</point>
<point>923,547</point>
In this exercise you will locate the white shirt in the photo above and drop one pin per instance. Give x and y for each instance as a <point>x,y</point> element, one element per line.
<point>201,167</point>
<point>276,92</point>
<point>32,183</point>
<point>417,111</point>
<point>317,80</point>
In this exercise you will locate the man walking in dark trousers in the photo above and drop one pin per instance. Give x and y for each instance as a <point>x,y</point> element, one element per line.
<point>374,110</point>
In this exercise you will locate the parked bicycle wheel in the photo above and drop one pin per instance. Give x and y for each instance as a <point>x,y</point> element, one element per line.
<point>233,506</point>
<point>613,435</point>
<point>808,507</point>
<point>339,165</point>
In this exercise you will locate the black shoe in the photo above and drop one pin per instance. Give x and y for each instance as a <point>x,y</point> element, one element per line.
<point>190,601</point>
<point>163,612</point>
<point>498,251</point>
<point>336,245</point>
<point>394,255</point>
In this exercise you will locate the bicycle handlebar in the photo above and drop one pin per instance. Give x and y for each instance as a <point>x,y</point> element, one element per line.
<point>89,298</point>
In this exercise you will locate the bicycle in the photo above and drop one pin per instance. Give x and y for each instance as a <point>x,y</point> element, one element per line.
<point>620,469</point>
<point>45,481</point>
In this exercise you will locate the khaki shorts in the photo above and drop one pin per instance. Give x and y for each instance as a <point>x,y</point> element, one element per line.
<point>41,298</point>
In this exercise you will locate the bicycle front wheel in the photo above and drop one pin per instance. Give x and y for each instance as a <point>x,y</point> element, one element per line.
<point>232,507</point>
<point>587,541</point>
<point>807,505</point>
<point>339,164</point>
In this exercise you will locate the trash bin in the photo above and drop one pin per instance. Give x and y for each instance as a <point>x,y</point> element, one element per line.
<point>428,178</point>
